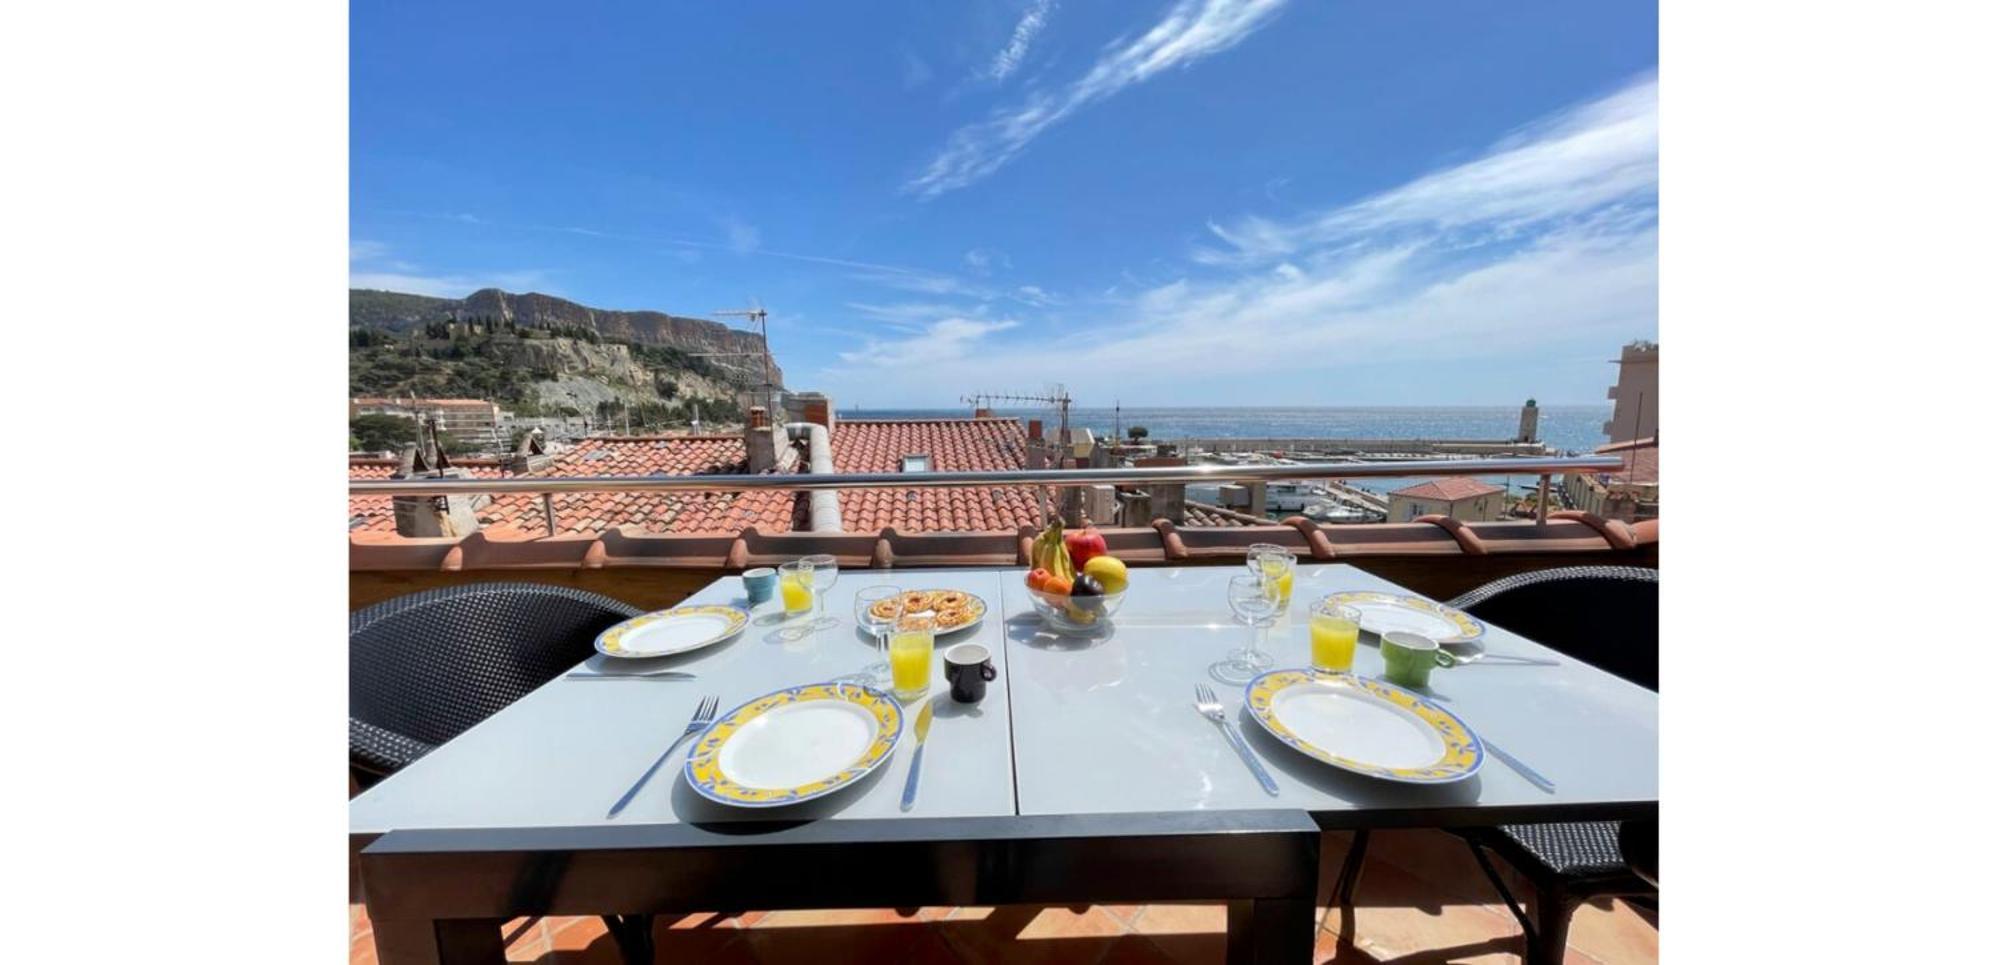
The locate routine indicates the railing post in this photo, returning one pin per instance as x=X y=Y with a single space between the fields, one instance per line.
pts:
x=1542 y=502
x=549 y=511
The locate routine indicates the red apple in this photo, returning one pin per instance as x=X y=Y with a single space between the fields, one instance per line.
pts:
x=1082 y=545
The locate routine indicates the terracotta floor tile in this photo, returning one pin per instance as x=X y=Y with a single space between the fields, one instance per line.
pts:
x=1124 y=913
x=834 y=917
x=576 y=934
x=912 y=942
x=1031 y=935
x=530 y=946
x=1331 y=949
x=1182 y=920
x=1616 y=935
x=1397 y=914
x=1056 y=923
x=700 y=938
x=1177 y=950
x=1193 y=949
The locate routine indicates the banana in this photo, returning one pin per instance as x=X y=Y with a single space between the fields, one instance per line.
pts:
x=1049 y=553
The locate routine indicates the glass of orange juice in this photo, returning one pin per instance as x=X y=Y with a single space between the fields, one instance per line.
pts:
x=795 y=587
x=910 y=658
x=1276 y=565
x=1335 y=629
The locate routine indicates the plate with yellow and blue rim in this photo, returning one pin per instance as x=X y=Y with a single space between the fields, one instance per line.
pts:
x=1386 y=612
x=794 y=745
x=1365 y=726
x=668 y=632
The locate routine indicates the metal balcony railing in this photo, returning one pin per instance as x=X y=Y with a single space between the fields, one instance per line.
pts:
x=1117 y=476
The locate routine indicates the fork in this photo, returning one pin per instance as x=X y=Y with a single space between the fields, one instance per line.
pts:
x=704 y=714
x=1211 y=708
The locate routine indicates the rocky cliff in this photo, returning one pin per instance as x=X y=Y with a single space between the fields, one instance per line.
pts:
x=742 y=353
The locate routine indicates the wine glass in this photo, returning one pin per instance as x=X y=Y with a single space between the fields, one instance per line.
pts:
x=1252 y=600
x=865 y=617
x=1277 y=566
x=825 y=570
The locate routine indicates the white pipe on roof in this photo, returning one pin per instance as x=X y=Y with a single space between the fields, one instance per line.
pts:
x=825 y=503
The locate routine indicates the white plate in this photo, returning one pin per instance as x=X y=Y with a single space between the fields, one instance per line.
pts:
x=797 y=744
x=1365 y=726
x=672 y=631
x=1388 y=612
x=794 y=745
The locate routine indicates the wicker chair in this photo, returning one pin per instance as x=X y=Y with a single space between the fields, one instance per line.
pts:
x=425 y=667
x=1607 y=616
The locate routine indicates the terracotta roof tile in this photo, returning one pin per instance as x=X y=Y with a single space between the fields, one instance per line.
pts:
x=1642 y=460
x=377 y=513
x=1202 y=514
x=521 y=516
x=1450 y=489
x=954 y=445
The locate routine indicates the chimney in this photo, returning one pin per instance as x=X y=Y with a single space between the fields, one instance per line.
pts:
x=530 y=456
x=763 y=441
x=982 y=413
x=1037 y=452
x=1100 y=503
x=432 y=515
x=818 y=409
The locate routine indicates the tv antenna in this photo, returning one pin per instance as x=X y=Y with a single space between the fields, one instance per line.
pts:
x=756 y=314
x=1056 y=396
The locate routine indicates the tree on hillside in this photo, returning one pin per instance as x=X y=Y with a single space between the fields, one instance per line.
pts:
x=376 y=433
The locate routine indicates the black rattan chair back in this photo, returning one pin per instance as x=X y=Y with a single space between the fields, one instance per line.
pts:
x=1608 y=616
x=425 y=667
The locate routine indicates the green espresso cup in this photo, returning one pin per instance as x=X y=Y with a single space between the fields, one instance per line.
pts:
x=1409 y=657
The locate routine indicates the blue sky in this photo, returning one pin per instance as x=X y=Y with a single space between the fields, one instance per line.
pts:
x=1228 y=202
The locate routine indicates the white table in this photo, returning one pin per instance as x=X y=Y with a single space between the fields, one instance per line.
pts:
x=561 y=755
x=1108 y=725
x=1085 y=775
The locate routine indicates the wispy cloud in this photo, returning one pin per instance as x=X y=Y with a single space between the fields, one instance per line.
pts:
x=1578 y=161
x=1190 y=31
x=1008 y=60
x=945 y=340
x=916 y=73
x=369 y=265
x=1546 y=241
x=742 y=236
x=984 y=261
x=453 y=285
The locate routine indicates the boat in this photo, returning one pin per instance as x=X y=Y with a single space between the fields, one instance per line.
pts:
x=1291 y=495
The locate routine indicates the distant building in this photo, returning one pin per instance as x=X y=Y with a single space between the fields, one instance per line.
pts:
x=1531 y=418
x=1458 y=497
x=1631 y=493
x=1635 y=413
x=467 y=420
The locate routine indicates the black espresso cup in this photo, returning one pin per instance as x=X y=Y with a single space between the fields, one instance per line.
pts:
x=968 y=666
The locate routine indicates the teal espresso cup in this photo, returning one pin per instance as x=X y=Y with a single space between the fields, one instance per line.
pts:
x=1408 y=658
x=759 y=584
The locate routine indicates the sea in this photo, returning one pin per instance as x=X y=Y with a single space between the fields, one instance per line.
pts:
x=1569 y=428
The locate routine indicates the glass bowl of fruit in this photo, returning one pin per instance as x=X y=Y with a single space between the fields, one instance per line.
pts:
x=1076 y=614
x=1082 y=603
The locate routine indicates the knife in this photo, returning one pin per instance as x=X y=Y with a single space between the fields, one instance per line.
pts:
x=1521 y=769
x=917 y=760
x=642 y=675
